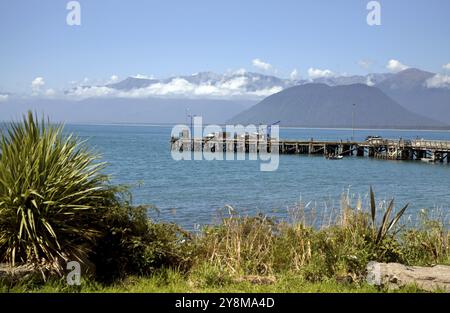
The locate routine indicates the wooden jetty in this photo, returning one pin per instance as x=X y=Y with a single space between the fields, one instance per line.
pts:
x=390 y=149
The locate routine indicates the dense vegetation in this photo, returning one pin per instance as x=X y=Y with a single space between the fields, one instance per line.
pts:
x=57 y=206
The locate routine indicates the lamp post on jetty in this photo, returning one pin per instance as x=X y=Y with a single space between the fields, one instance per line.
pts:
x=191 y=129
x=353 y=121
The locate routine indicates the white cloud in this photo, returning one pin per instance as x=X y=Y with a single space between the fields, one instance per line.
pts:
x=446 y=66
x=369 y=81
x=234 y=84
x=261 y=65
x=113 y=79
x=438 y=81
x=266 y=92
x=294 y=74
x=37 y=86
x=366 y=64
x=207 y=90
x=240 y=71
x=142 y=76
x=314 y=73
x=3 y=98
x=177 y=86
x=80 y=92
x=396 y=66
x=50 y=92
x=37 y=83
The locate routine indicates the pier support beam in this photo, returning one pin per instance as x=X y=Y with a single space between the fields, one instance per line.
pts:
x=347 y=151
x=420 y=154
x=360 y=151
x=405 y=154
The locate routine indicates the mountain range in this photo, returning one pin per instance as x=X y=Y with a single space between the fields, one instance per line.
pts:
x=415 y=90
x=249 y=83
x=247 y=80
x=413 y=98
x=410 y=88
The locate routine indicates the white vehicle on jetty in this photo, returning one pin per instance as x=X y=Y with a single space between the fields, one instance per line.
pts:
x=372 y=139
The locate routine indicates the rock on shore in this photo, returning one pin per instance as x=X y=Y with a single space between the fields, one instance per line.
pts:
x=395 y=275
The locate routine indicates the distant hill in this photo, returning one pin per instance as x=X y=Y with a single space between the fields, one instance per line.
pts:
x=320 y=105
x=409 y=88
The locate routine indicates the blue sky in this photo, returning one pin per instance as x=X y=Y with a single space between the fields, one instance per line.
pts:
x=165 y=38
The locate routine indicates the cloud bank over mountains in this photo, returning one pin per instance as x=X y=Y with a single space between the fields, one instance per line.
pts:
x=211 y=94
x=240 y=84
x=199 y=85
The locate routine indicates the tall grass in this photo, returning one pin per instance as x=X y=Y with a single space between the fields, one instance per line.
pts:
x=353 y=236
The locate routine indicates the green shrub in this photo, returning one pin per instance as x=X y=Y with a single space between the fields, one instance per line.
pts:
x=56 y=206
x=131 y=244
x=51 y=189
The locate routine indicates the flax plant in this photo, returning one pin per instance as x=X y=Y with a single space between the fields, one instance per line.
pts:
x=51 y=191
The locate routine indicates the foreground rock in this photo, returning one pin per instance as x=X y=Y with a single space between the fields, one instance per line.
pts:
x=395 y=275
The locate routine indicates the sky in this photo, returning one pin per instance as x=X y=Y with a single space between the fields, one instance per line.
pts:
x=117 y=39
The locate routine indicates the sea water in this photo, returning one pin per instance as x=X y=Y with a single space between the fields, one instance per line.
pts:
x=194 y=192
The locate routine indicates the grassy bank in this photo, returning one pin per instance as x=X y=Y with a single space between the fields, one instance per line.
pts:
x=168 y=281
x=56 y=206
x=247 y=254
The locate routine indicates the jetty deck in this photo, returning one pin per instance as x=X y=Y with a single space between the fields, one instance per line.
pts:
x=392 y=149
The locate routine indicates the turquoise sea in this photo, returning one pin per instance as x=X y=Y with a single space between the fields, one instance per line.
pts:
x=193 y=192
